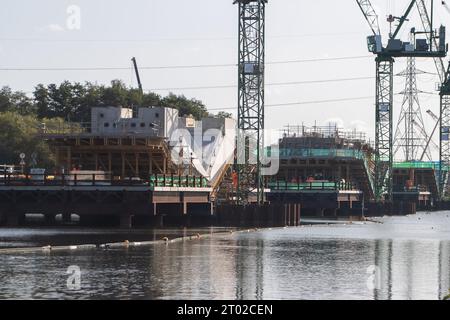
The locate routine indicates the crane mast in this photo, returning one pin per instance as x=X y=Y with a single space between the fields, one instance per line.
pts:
x=250 y=143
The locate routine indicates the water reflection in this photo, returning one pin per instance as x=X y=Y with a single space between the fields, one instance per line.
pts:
x=320 y=262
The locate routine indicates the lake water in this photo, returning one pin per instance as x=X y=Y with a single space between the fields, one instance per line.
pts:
x=399 y=258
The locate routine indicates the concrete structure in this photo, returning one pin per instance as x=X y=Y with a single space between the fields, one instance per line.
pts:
x=155 y=140
x=151 y=122
x=327 y=171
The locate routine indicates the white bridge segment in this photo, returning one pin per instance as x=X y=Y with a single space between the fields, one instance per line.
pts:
x=217 y=150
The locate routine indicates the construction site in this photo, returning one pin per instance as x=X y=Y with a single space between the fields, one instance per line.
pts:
x=147 y=165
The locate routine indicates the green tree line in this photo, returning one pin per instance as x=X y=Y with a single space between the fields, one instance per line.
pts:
x=72 y=101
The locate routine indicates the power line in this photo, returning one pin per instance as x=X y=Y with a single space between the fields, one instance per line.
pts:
x=319 y=60
x=287 y=104
x=268 y=84
x=179 y=66
x=231 y=38
x=302 y=103
x=231 y=86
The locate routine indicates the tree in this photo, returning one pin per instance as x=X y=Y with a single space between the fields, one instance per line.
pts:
x=61 y=100
x=73 y=101
x=20 y=134
x=185 y=106
x=151 y=99
x=116 y=95
x=15 y=102
x=41 y=101
x=91 y=98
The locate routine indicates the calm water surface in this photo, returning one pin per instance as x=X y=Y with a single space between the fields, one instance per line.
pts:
x=402 y=258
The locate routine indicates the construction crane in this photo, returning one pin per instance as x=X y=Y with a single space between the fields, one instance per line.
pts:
x=141 y=92
x=384 y=84
x=138 y=77
x=251 y=100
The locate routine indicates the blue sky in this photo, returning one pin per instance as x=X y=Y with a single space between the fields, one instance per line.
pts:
x=34 y=34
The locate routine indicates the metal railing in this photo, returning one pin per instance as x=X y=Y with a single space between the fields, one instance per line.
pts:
x=94 y=179
x=418 y=188
x=316 y=186
x=317 y=153
x=330 y=131
x=419 y=165
x=65 y=128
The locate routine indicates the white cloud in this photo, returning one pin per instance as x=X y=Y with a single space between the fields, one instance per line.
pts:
x=338 y=122
x=53 y=27
x=359 y=125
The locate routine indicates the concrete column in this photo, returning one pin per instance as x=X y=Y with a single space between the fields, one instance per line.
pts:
x=295 y=222
x=136 y=155
x=160 y=221
x=150 y=163
x=299 y=216
x=123 y=165
x=320 y=212
x=293 y=215
x=96 y=160
x=289 y=213
x=69 y=160
x=110 y=162
x=57 y=157
x=50 y=219
x=126 y=221
x=66 y=217
x=186 y=220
